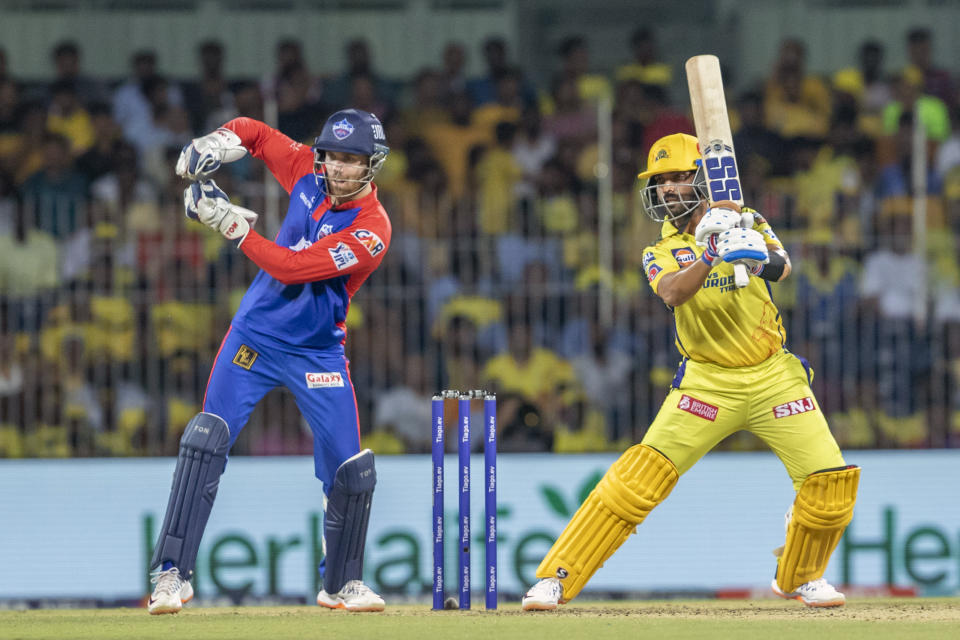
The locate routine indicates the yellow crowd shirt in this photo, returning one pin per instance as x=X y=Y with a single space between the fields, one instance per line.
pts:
x=720 y=324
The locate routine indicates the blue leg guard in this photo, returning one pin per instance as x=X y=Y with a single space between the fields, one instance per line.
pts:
x=345 y=522
x=203 y=456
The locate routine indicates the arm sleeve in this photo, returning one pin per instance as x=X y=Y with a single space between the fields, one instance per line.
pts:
x=343 y=253
x=287 y=159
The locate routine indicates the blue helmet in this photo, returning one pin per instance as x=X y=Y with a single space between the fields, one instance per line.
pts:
x=353 y=131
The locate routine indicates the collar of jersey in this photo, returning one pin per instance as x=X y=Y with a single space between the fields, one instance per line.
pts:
x=668 y=229
x=359 y=203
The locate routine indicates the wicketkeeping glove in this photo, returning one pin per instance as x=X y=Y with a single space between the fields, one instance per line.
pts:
x=717 y=219
x=204 y=155
x=745 y=246
x=215 y=210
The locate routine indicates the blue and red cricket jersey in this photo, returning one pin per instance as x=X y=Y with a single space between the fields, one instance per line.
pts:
x=290 y=328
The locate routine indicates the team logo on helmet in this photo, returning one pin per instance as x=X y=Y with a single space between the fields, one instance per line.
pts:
x=662 y=155
x=342 y=129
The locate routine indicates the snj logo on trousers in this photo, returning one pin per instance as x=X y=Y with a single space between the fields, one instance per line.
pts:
x=322 y=380
x=698 y=408
x=794 y=407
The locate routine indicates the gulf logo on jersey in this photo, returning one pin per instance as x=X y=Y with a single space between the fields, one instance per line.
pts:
x=653 y=271
x=342 y=129
x=370 y=241
x=684 y=256
x=698 y=408
x=794 y=407
x=323 y=380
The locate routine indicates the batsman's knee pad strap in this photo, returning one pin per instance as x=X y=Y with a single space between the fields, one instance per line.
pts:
x=637 y=482
x=202 y=458
x=346 y=519
x=821 y=512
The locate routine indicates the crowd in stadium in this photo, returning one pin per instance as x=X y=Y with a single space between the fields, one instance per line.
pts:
x=112 y=303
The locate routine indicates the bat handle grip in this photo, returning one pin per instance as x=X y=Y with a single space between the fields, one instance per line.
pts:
x=740 y=275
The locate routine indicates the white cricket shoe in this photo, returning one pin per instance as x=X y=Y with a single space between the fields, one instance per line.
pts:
x=816 y=593
x=544 y=596
x=354 y=596
x=171 y=592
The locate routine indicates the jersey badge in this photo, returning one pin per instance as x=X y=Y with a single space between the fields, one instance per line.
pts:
x=684 y=256
x=324 y=380
x=370 y=241
x=325 y=230
x=342 y=256
x=342 y=129
x=794 y=407
x=245 y=357
x=698 y=408
x=653 y=271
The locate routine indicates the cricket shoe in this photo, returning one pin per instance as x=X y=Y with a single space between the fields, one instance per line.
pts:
x=816 y=593
x=544 y=596
x=171 y=592
x=354 y=596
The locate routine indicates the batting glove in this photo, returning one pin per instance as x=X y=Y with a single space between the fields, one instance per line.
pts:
x=204 y=155
x=716 y=220
x=745 y=246
x=711 y=255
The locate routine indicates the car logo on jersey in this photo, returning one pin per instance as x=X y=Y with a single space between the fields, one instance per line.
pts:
x=794 y=407
x=324 y=380
x=342 y=129
x=370 y=241
x=684 y=256
x=698 y=408
x=342 y=256
x=653 y=271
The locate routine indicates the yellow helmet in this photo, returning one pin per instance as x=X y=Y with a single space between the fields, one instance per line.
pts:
x=676 y=152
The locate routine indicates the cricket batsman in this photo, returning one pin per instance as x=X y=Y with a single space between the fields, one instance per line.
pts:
x=735 y=373
x=289 y=331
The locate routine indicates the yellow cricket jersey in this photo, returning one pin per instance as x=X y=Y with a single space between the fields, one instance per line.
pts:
x=720 y=324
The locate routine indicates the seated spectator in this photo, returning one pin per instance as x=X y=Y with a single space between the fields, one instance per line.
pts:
x=497 y=175
x=132 y=109
x=930 y=111
x=450 y=143
x=453 y=77
x=21 y=150
x=298 y=115
x=646 y=66
x=575 y=64
x=507 y=106
x=55 y=196
x=99 y=158
x=484 y=88
x=795 y=103
x=571 y=118
x=208 y=100
x=936 y=81
x=66 y=60
x=69 y=118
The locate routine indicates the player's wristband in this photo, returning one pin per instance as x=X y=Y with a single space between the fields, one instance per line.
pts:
x=773 y=269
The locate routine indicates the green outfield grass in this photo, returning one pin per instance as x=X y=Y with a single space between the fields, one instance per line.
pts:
x=870 y=619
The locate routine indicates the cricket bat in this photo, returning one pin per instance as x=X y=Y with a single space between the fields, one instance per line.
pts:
x=715 y=140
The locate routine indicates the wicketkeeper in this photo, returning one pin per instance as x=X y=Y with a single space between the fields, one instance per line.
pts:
x=288 y=332
x=735 y=373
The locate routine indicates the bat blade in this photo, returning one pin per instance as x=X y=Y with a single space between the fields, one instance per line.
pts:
x=709 y=106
